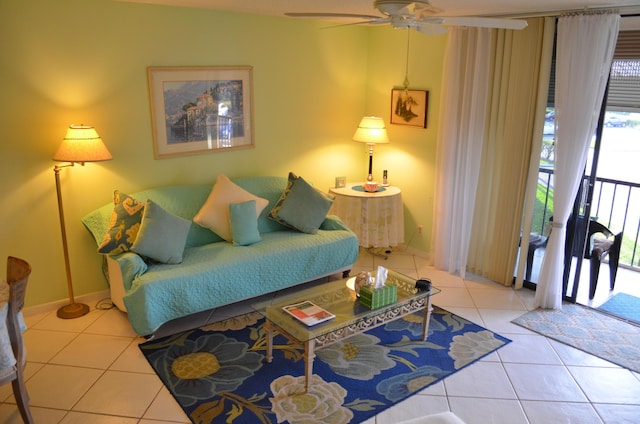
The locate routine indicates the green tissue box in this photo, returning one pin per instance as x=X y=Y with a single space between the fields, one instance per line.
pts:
x=377 y=298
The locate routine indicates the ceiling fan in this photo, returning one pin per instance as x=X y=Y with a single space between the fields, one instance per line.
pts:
x=419 y=15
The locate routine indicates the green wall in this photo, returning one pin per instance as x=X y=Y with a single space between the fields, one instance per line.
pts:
x=84 y=61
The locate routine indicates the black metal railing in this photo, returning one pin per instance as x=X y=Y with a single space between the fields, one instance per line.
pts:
x=615 y=204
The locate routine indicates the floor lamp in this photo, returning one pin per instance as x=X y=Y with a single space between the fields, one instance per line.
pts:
x=371 y=130
x=81 y=144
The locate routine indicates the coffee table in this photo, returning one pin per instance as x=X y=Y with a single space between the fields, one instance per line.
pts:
x=351 y=317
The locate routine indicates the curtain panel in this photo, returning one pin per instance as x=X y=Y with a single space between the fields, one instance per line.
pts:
x=460 y=137
x=515 y=77
x=584 y=52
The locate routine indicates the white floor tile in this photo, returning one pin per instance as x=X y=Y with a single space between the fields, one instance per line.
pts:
x=530 y=349
x=482 y=411
x=481 y=380
x=618 y=414
x=85 y=418
x=499 y=320
x=128 y=394
x=75 y=325
x=544 y=382
x=560 y=412
x=92 y=351
x=42 y=345
x=496 y=299
x=608 y=385
x=414 y=407
x=59 y=386
x=132 y=360
x=165 y=407
x=113 y=322
x=453 y=296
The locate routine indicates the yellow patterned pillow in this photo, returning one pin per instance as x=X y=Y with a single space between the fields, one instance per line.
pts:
x=124 y=225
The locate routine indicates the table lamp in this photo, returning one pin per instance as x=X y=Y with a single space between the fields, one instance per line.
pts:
x=81 y=144
x=371 y=130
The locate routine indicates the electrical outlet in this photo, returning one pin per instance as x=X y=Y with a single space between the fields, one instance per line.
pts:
x=419 y=229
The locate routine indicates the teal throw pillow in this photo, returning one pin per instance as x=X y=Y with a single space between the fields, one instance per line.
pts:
x=273 y=213
x=244 y=223
x=305 y=207
x=123 y=226
x=162 y=236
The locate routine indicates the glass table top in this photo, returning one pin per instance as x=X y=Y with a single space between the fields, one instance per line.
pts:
x=337 y=298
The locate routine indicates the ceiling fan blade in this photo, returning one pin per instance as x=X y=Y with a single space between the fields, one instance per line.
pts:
x=430 y=29
x=376 y=21
x=332 y=15
x=483 y=22
x=422 y=10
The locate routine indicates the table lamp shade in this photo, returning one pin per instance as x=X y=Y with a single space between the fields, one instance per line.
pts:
x=82 y=144
x=371 y=130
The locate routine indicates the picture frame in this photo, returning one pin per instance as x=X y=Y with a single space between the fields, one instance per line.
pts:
x=409 y=107
x=200 y=109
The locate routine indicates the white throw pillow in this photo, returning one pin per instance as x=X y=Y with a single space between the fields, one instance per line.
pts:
x=214 y=214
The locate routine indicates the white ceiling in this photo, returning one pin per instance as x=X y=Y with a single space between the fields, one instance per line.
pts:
x=513 y=8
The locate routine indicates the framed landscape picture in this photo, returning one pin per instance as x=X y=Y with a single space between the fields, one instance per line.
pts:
x=200 y=109
x=409 y=107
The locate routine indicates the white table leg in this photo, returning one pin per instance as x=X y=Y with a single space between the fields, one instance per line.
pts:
x=426 y=318
x=309 y=355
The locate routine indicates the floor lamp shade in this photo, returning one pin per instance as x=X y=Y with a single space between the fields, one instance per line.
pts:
x=371 y=130
x=81 y=144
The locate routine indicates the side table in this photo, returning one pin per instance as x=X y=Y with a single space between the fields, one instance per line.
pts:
x=376 y=218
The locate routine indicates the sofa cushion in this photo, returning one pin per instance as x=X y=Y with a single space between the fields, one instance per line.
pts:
x=124 y=224
x=302 y=207
x=214 y=214
x=162 y=236
x=244 y=223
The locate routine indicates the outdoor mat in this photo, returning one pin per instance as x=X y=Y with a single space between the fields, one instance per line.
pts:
x=218 y=373
x=588 y=330
x=624 y=306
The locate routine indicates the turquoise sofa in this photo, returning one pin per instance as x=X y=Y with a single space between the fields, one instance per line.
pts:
x=214 y=272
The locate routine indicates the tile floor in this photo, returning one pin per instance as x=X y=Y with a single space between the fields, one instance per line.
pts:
x=90 y=370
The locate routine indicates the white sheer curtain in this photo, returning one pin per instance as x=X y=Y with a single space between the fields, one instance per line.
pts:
x=461 y=129
x=584 y=51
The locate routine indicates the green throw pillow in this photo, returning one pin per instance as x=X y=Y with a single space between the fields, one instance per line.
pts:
x=244 y=223
x=273 y=213
x=305 y=207
x=124 y=224
x=162 y=235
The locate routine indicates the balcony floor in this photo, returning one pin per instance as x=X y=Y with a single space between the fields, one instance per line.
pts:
x=627 y=281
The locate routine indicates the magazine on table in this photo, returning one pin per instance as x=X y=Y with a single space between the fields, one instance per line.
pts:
x=308 y=312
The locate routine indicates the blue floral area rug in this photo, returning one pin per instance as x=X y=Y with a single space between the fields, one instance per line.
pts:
x=589 y=330
x=218 y=373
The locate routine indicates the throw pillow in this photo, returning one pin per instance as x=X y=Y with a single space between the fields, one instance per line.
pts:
x=305 y=207
x=273 y=213
x=162 y=235
x=124 y=224
x=244 y=223
x=214 y=214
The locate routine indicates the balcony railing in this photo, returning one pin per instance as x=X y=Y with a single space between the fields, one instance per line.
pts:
x=615 y=204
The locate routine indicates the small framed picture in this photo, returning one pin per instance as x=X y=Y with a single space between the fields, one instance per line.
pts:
x=409 y=107
x=341 y=182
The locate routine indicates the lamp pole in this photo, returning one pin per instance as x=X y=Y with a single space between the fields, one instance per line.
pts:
x=73 y=309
